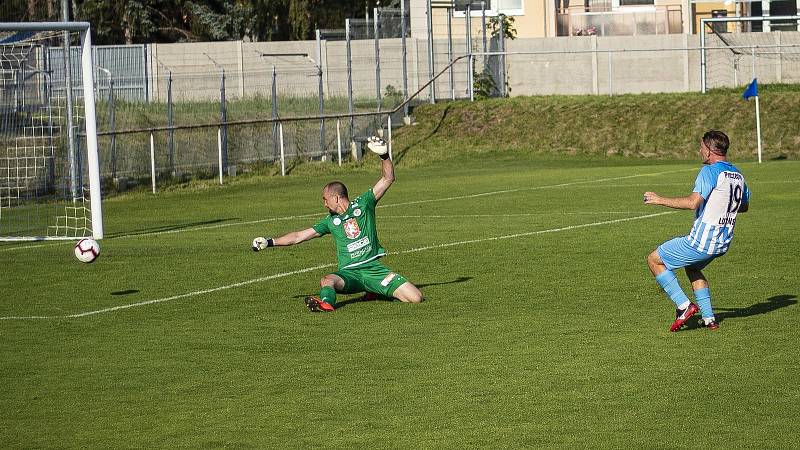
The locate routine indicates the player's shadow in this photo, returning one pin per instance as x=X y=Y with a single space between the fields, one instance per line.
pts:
x=771 y=304
x=165 y=228
x=370 y=297
x=126 y=292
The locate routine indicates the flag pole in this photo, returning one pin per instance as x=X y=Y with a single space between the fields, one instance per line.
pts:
x=758 y=129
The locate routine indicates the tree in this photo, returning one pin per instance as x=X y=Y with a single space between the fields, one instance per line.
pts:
x=30 y=11
x=143 y=21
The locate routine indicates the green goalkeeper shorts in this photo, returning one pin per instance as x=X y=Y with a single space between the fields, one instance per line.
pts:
x=373 y=277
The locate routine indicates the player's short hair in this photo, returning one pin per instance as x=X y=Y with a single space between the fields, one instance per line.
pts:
x=337 y=188
x=717 y=142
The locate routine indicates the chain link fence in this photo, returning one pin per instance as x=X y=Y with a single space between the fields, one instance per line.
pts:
x=369 y=66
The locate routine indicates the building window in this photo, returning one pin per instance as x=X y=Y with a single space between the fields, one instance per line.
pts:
x=634 y=2
x=493 y=7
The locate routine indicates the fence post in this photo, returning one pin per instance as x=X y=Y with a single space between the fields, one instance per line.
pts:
x=349 y=79
x=283 y=157
x=779 y=65
x=274 y=98
x=224 y=116
x=468 y=22
x=153 y=162
x=483 y=29
x=702 y=56
x=431 y=63
x=321 y=95
x=112 y=127
x=339 y=140
x=219 y=152
x=170 y=122
x=610 y=76
x=376 y=26
x=471 y=87
x=450 y=53
x=502 y=44
x=389 y=140
x=404 y=51
x=595 y=74
x=73 y=156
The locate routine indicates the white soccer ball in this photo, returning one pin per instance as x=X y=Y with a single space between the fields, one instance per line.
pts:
x=87 y=250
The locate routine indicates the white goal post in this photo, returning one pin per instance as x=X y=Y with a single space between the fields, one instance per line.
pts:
x=44 y=119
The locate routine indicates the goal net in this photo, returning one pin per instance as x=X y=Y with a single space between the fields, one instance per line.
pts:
x=738 y=49
x=49 y=174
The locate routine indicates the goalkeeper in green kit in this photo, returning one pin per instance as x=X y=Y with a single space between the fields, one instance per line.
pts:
x=352 y=225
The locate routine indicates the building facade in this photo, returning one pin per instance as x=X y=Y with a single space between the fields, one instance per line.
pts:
x=553 y=18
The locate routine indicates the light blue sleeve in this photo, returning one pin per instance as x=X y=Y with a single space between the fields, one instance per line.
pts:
x=705 y=182
x=746 y=197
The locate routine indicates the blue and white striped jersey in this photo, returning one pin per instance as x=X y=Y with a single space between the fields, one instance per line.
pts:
x=724 y=191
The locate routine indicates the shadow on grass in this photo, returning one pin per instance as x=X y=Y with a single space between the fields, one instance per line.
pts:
x=165 y=228
x=371 y=297
x=401 y=154
x=771 y=304
x=125 y=292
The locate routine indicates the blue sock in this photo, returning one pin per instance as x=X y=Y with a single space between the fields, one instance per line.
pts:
x=669 y=282
x=703 y=298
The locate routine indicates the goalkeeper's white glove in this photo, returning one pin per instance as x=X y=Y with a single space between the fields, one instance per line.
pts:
x=260 y=243
x=378 y=146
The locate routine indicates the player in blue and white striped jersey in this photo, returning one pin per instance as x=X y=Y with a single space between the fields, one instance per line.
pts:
x=719 y=194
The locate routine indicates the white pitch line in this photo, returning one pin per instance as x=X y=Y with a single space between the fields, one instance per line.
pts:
x=309 y=269
x=174 y=297
x=532 y=233
x=533 y=188
x=476 y=216
x=304 y=216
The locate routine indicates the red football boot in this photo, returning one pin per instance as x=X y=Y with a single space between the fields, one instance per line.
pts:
x=682 y=315
x=314 y=304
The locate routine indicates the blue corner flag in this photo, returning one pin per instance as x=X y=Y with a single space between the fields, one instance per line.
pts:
x=752 y=89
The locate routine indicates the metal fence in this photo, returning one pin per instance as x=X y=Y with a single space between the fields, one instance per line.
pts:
x=367 y=67
x=123 y=65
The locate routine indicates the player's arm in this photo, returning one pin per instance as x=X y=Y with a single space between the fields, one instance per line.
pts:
x=691 y=201
x=295 y=237
x=381 y=148
x=386 y=180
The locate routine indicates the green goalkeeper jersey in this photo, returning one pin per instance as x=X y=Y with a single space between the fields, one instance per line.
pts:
x=354 y=233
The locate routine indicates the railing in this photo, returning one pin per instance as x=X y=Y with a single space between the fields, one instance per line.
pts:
x=628 y=22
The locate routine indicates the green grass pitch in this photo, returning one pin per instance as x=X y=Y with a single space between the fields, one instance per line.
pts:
x=542 y=325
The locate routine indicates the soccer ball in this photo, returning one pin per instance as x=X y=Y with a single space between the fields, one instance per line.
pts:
x=87 y=250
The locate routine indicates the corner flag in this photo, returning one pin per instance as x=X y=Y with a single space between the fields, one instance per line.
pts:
x=752 y=91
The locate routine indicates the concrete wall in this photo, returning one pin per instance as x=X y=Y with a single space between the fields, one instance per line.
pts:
x=564 y=65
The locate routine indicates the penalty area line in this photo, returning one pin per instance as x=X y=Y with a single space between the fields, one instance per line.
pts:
x=390 y=205
x=174 y=297
x=323 y=266
x=533 y=233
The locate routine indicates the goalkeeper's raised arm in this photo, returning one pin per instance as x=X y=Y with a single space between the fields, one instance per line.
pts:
x=381 y=148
